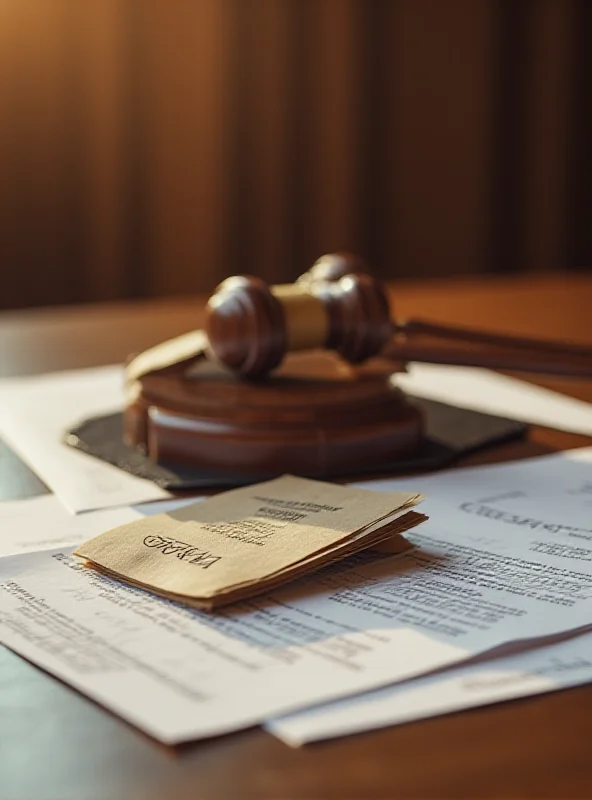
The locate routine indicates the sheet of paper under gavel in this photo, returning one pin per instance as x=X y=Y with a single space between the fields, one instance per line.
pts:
x=338 y=306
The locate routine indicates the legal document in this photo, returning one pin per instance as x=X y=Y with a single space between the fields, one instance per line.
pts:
x=555 y=479
x=503 y=560
x=482 y=390
x=552 y=494
x=523 y=674
x=43 y=523
x=181 y=674
x=36 y=412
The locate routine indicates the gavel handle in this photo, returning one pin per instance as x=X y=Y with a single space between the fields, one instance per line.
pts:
x=418 y=326
x=417 y=340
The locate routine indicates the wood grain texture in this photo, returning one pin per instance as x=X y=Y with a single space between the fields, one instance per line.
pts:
x=548 y=157
x=150 y=150
x=56 y=744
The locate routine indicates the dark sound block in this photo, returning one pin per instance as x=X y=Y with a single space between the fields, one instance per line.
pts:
x=312 y=416
x=450 y=432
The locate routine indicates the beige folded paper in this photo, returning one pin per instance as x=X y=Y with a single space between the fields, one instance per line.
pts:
x=248 y=540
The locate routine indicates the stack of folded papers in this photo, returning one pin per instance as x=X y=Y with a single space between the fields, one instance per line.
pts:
x=247 y=541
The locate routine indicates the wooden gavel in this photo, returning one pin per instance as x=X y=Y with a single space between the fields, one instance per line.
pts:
x=180 y=409
x=338 y=306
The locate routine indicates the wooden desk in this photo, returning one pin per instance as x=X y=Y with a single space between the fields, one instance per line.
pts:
x=56 y=744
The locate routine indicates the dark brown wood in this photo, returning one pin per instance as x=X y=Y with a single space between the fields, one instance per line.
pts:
x=248 y=325
x=249 y=332
x=521 y=359
x=457 y=333
x=54 y=743
x=310 y=417
x=245 y=326
x=286 y=145
x=333 y=266
x=358 y=311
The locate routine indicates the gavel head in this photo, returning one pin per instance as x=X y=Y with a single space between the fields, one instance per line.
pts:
x=251 y=326
x=332 y=266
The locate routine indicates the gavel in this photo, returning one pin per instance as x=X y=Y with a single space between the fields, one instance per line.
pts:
x=181 y=409
x=338 y=305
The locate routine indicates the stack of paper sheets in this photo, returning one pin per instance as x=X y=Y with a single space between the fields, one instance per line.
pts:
x=494 y=601
x=504 y=561
x=247 y=541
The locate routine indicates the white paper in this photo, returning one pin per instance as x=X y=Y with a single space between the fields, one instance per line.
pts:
x=544 y=669
x=475 y=582
x=491 y=393
x=552 y=496
x=182 y=674
x=557 y=476
x=36 y=412
x=43 y=523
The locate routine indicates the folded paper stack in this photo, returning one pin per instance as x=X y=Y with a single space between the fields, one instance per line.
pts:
x=249 y=540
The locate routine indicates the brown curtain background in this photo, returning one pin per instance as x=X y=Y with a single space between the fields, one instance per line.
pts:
x=150 y=147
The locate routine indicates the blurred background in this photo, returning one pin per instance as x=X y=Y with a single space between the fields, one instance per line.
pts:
x=153 y=147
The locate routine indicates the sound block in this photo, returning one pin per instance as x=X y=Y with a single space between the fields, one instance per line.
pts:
x=316 y=417
x=310 y=417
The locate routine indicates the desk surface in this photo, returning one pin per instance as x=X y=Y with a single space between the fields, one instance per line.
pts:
x=54 y=743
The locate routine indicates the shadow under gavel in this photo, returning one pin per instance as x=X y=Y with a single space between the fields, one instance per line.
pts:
x=338 y=306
